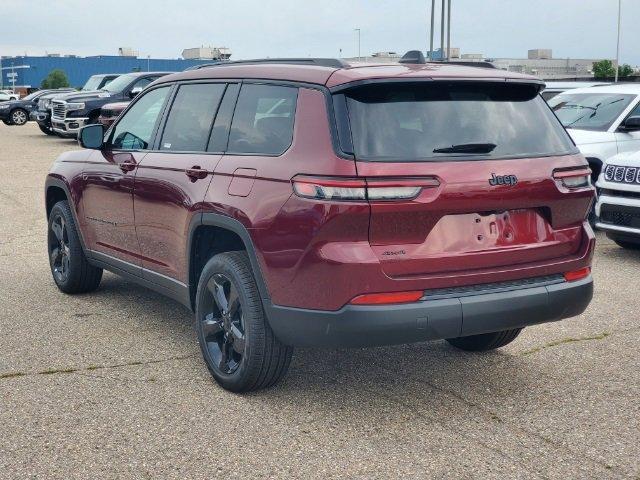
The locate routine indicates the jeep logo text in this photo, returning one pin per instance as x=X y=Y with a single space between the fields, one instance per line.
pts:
x=502 y=179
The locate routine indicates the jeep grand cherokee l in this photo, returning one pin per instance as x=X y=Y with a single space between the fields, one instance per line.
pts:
x=71 y=112
x=315 y=203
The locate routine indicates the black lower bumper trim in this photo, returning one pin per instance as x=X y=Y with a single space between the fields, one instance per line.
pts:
x=359 y=326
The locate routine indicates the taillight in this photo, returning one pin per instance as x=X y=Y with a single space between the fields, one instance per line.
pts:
x=574 y=178
x=374 y=189
x=330 y=188
x=387 y=298
x=577 y=274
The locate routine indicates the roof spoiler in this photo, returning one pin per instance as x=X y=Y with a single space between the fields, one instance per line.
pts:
x=413 y=56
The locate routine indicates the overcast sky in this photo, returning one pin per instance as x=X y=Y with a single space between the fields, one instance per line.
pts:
x=260 y=28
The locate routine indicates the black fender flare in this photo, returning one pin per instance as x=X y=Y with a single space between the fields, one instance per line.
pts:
x=233 y=225
x=59 y=183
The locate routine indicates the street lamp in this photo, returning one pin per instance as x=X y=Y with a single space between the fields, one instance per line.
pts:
x=618 y=43
x=358 y=30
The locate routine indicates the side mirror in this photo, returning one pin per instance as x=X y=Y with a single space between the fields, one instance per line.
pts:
x=631 y=124
x=92 y=136
x=134 y=92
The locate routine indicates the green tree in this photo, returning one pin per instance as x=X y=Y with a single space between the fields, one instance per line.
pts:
x=603 y=69
x=625 y=71
x=56 y=79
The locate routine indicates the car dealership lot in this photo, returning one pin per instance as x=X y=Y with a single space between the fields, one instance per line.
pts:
x=112 y=384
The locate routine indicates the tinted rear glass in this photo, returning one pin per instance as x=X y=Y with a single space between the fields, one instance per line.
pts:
x=589 y=111
x=407 y=122
x=263 y=120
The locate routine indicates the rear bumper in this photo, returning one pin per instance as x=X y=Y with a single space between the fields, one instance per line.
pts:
x=453 y=313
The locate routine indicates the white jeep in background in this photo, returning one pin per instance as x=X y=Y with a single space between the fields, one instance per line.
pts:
x=618 y=207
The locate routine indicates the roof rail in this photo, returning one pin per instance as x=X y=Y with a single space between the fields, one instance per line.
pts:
x=320 y=62
x=482 y=64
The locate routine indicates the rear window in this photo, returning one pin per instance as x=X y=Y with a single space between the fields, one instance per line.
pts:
x=589 y=111
x=423 y=122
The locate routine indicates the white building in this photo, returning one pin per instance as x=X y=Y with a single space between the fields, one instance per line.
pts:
x=206 y=53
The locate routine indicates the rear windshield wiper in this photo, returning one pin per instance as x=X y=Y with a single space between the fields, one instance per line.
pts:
x=467 y=148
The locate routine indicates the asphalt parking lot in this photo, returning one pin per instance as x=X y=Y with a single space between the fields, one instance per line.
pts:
x=111 y=384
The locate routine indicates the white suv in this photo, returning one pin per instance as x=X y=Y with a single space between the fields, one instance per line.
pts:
x=595 y=119
x=618 y=207
x=9 y=93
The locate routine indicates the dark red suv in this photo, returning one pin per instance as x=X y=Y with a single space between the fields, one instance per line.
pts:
x=315 y=203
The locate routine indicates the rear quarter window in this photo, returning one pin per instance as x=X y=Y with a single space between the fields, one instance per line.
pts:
x=263 y=120
x=410 y=122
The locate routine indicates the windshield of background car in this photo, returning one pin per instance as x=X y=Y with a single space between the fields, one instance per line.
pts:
x=33 y=95
x=589 y=111
x=92 y=84
x=415 y=122
x=118 y=84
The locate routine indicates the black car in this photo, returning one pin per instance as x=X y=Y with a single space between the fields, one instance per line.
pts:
x=71 y=112
x=16 y=112
x=42 y=114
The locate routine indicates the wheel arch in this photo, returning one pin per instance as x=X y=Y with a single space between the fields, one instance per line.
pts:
x=211 y=234
x=57 y=190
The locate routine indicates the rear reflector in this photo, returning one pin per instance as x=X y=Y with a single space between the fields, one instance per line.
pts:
x=387 y=298
x=374 y=189
x=577 y=274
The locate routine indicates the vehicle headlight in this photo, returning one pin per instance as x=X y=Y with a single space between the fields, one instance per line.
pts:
x=75 y=106
x=3 y=107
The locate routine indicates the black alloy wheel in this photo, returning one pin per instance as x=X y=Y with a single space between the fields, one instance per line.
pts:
x=71 y=271
x=222 y=325
x=59 y=251
x=238 y=346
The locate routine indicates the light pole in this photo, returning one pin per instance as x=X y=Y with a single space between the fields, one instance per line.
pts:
x=433 y=17
x=618 y=42
x=442 y=30
x=448 y=30
x=359 y=57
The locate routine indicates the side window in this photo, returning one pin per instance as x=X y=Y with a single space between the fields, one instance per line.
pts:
x=142 y=83
x=636 y=111
x=191 y=117
x=263 y=120
x=135 y=128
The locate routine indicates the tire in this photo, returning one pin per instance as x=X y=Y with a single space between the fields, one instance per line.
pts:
x=628 y=245
x=46 y=130
x=237 y=343
x=19 y=117
x=485 y=341
x=71 y=271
